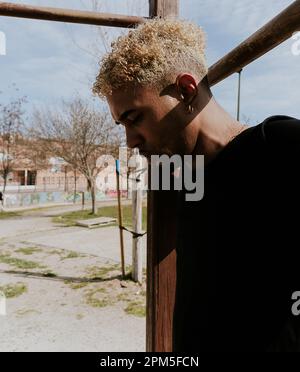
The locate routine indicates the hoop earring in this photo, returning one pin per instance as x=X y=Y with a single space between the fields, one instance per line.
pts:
x=190 y=109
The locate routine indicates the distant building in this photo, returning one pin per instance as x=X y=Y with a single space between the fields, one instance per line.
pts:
x=57 y=176
x=52 y=180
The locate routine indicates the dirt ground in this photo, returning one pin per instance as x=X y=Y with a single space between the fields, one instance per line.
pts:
x=62 y=299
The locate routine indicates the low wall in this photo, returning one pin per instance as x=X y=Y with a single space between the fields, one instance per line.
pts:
x=15 y=200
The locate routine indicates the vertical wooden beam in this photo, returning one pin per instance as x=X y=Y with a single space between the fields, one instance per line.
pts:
x=164 y=8
x=161 y=244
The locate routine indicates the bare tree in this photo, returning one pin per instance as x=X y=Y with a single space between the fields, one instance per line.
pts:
x=11 y=130
x=79 y=134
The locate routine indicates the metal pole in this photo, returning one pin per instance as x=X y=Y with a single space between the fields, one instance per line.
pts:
x=239 y=96
x=137 y=208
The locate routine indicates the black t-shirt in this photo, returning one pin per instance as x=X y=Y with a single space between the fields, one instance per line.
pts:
x=238 y=255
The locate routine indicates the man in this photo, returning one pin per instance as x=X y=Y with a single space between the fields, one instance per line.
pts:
x=237 y=254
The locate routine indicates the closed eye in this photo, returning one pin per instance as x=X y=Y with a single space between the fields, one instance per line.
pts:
x=126 y=120
x=137 y=120
x=131 y=122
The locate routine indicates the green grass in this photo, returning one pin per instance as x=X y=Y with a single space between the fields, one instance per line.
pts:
x=98 y=298
x=124 y=297
x=19 y=263
x=97 y=272
x=56 y=251
x=27 y=251
x=78 y=285
x=4 y=215
x=71 y=254
x=70 y=218
x=75 y=285
x=136 y=308
x=13 y=290
x=8 y=214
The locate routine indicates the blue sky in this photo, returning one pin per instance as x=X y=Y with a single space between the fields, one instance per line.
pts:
x=49 y=61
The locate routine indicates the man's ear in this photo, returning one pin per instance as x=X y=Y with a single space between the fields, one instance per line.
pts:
x=186 y=86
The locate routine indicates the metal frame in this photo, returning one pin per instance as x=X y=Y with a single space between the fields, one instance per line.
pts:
x=162 y=211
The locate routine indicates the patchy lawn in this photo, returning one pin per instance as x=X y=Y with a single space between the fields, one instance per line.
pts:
x=98 y=283
x=27 y=251
x=19 y=263
x=64 y=287
x=70 y=218
x=13 y=290
x=5 y=215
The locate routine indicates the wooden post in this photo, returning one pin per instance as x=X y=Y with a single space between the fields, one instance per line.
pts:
x=137 y=201
x=164 y=8
x=161 y=244
x=120 y=218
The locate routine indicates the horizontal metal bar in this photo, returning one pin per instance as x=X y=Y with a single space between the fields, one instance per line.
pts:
x=262 y=41
x=265 y=39
x=68 y=15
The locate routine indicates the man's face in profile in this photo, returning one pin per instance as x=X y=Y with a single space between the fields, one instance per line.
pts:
x=154 y=122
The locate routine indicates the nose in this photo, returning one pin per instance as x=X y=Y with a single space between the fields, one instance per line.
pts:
x=133 y=138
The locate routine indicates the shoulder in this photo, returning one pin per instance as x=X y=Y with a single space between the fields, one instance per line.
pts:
x=281 y=130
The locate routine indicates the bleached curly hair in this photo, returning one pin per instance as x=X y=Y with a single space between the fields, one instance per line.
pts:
x=151 y=55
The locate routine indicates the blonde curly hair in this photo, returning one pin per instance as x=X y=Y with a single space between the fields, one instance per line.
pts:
x=151 y=55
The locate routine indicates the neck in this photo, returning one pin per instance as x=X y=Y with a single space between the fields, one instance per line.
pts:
x=216 y=128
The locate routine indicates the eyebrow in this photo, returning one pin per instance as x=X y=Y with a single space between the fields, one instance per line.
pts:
x=125 y=115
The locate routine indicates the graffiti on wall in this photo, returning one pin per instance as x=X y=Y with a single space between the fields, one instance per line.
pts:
x=40 y=198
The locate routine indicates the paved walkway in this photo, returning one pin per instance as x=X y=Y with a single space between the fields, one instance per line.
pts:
x=51 y=316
